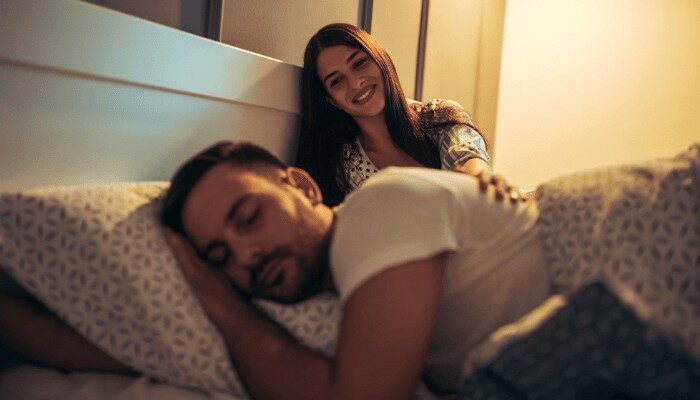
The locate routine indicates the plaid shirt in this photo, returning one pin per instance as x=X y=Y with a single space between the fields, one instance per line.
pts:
x=458 y=143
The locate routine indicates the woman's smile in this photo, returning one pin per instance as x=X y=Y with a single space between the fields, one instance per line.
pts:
x=364 y=95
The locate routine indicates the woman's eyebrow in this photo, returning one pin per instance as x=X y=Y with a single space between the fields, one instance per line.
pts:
x=329 y=76
x=354 y=53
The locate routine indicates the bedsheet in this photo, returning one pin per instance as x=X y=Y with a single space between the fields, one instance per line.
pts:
x=33 y=383
x=29 y=382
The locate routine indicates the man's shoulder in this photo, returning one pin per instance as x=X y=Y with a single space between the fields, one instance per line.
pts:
x=404 y=187
x=405 y=178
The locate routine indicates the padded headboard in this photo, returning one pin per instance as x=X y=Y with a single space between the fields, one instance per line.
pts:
x=90 y=95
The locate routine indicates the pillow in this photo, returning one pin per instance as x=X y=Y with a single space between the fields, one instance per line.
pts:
x=95 y=256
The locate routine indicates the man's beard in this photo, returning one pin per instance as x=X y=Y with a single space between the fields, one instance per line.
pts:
x=313 y=270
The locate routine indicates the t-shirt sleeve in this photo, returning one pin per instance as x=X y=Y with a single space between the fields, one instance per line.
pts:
x=394 y=219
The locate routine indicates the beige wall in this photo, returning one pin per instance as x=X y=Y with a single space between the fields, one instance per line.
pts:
x=281 y=28
x=396 y=26
x=78 y=109
x=463 y=56
x=593 y=83
x=452 y=51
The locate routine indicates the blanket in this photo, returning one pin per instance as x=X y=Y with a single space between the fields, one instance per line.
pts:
x=587 y=346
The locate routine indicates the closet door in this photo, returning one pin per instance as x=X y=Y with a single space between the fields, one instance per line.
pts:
x=448 y=49
x=396 y=25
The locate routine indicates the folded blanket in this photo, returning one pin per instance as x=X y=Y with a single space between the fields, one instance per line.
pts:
x=636 y=228
x=590 y=346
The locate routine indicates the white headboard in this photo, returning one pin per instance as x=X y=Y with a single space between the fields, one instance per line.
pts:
x=90 y=95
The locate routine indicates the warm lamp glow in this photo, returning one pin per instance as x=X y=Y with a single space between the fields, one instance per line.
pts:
x=585 y=84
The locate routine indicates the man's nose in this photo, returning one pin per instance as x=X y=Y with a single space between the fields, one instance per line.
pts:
x=246 y=251
x=249 y=256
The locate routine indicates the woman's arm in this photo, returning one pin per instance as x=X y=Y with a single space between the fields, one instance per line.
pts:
x=462 y=147
x=473 y=166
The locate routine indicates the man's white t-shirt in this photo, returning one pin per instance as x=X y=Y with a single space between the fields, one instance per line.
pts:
x=495 y=269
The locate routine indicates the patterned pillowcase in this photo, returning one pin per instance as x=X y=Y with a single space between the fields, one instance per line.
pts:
x=95 y=255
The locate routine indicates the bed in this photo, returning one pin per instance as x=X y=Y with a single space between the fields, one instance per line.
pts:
x=96 y=115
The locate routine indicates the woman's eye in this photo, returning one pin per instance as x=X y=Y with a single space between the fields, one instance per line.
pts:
x=335 y=82
x=360 y=63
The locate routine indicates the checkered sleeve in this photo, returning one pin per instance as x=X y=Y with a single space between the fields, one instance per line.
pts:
x=459 y=143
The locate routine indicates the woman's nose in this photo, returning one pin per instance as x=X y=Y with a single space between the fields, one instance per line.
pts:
x=357 y=82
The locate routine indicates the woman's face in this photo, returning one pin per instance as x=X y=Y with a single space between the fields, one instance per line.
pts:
x=352 y=79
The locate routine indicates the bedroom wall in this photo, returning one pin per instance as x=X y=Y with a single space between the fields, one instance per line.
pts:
x=280 y=28
x=397 y=29
x=84 y=99
x=587 y=84
x=462 y=60
x=463 y=42
x=186 y=15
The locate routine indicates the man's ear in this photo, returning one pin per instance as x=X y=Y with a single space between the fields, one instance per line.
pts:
x=301 y=180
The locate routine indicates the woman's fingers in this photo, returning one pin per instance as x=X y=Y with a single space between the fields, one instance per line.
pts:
x=501 y=187
x=484 y=179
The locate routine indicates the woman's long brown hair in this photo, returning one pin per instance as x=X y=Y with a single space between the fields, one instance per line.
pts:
x=325 y=129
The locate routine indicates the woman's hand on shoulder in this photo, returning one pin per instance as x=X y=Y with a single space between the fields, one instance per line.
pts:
x=482 y=171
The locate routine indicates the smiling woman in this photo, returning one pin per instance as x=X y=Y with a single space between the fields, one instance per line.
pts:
x=357 y=120
x=352 y=78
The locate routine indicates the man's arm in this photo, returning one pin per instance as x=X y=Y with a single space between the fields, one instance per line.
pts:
x=385 y=335
x=39 y=336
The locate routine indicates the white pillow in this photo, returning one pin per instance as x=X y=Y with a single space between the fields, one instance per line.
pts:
x=95 y=255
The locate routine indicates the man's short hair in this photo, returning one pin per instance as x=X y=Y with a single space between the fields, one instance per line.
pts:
x=236 y=153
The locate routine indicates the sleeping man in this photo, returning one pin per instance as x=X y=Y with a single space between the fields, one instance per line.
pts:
x=420 y=269
x=426 y=265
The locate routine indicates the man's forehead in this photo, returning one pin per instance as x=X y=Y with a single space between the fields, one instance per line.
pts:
x=229 y=173
x=223 y=184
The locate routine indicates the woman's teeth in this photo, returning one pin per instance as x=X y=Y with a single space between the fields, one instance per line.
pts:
x=365 y=95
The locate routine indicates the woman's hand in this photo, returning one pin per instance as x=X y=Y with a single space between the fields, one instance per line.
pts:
x=501 y=186
x=213 y=289
x=481 y=169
